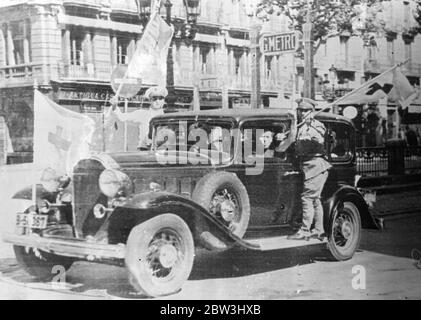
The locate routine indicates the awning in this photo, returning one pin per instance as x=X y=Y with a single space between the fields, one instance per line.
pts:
x=98 y=24
x=238 y=42
x=200 y=37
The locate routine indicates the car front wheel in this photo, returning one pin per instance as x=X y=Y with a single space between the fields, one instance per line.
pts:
x=345 y=231
x=225 y=197
x=159 y=255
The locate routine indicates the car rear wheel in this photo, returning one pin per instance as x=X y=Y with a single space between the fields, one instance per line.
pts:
x=226 y=198
x=345 y=231
x=159 y=255
x=40 y=264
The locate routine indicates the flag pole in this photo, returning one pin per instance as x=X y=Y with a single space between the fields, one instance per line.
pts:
x=34 y=184
x=126 y=108
x=348 y=94
x=155 y=12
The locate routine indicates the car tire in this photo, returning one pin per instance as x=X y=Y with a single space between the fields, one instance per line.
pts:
x=213 y=186
x=345 y=231
x=40 y=264
x=159 y=255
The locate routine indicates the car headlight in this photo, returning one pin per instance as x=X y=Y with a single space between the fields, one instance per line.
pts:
x=111 y=182
x=50 y=180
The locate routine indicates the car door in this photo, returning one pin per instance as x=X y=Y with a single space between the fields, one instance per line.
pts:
x=273 y=191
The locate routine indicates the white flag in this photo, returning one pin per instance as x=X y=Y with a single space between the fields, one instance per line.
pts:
x=61 y=136
x=391 y=84
x=150 y=59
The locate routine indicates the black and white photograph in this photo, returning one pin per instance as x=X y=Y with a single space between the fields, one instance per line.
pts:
x=210 y=150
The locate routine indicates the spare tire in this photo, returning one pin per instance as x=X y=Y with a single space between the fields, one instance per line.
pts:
x=225 y=197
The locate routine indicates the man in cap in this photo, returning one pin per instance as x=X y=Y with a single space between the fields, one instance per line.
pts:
x=310 y=150
x=156 y=95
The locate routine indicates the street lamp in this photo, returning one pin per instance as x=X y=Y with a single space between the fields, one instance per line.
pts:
x=308 y=53
x=183 y=30
x=333 y=71
x=329 y=92
x=255 y=28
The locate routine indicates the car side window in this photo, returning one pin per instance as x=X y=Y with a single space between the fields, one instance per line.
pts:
x=259 y=139
x=339 y=142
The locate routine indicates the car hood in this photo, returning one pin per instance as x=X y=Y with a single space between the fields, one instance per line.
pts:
x=127 y=160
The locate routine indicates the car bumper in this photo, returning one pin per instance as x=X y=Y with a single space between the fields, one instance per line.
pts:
x=69 y=247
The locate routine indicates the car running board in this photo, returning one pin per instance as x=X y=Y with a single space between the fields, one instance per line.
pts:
x=281 y=242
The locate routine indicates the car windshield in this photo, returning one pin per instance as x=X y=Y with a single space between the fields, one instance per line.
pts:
x=207 y=138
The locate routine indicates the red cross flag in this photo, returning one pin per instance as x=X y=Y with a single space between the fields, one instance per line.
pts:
x=391 y=84
x=61 y=137
x=149 y=60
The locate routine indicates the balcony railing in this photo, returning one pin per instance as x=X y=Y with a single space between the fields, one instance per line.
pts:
x=234 y=82
x=351 y=64
x=410 y=68
x=84 y=72
x=23 y=74
x=26 y=74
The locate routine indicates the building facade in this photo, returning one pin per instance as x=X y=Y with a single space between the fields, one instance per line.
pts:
x=68 y=49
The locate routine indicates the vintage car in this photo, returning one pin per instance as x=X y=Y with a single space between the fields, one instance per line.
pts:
x=150 y=210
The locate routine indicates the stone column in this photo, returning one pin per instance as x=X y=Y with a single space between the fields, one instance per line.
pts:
x=88 y=54
x=113 y=51
x=223 y=68
x=10 y=48
x=3 y=59
x=390 y=38
x=66 y=47
x=26 y=44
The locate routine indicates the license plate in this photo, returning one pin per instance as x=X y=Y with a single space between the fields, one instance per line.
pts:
x=33 y=221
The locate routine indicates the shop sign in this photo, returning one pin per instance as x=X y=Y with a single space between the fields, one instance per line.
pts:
x=241 y=103
x=92 y=96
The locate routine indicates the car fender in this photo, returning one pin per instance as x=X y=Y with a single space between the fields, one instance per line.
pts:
x=41 y=194
x=349 y=193
x=207 y=231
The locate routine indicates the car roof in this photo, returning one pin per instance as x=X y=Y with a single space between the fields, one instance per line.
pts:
x=239 y=115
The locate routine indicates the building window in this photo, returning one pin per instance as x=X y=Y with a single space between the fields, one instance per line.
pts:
x=237 y=62
x=18 y=39
x=20 y=122
x=268 y=66
x=122 y=50
x=76 y=49
x=205 y=63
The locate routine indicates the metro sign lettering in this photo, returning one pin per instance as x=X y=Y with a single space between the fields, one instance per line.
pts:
x=280 y=43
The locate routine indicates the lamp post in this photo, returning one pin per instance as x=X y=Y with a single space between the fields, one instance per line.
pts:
x=183 y=30
x=308 y=55
x=255 y=28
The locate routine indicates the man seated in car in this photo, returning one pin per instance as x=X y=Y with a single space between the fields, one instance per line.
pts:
x=266 y=139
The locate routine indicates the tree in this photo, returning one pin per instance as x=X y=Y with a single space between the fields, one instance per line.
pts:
x=415 y=29
x=329 y=17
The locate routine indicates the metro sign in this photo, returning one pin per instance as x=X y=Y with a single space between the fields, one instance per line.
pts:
x=280 y=43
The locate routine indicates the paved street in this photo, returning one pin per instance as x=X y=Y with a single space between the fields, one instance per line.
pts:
x=304 y=273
